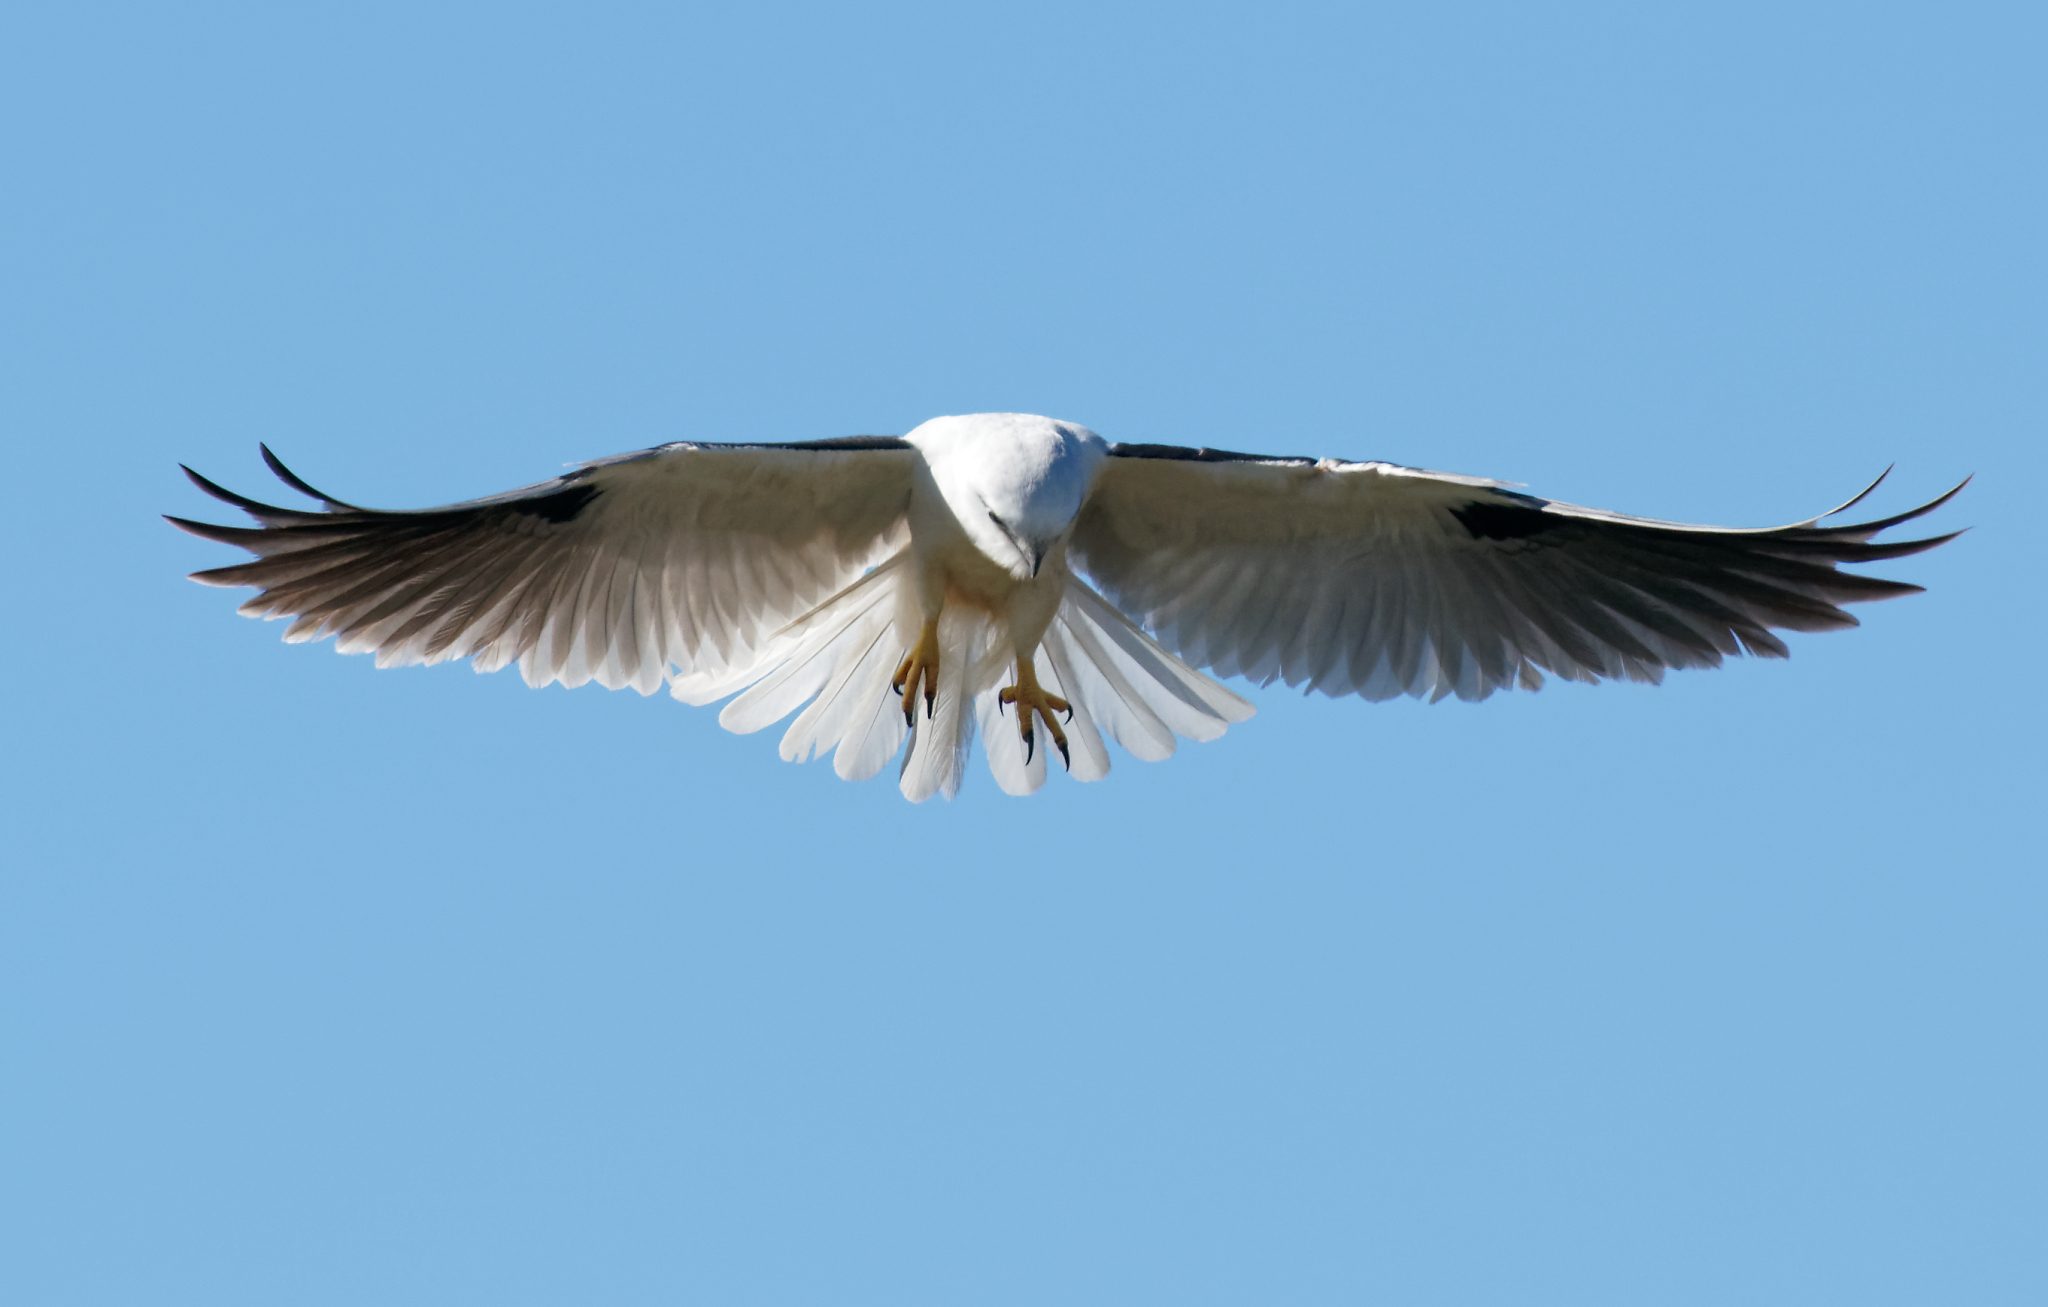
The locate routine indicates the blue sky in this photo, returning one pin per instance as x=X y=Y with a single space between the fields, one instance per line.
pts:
x=325 y=985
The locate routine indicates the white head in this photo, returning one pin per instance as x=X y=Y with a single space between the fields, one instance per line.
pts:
x=1015 y=481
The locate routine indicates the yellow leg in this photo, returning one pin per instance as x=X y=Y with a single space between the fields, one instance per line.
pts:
x=919 y=668
x=1033 y=702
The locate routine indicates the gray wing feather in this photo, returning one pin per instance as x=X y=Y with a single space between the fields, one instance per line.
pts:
x=1380 y=580
x=686 y=556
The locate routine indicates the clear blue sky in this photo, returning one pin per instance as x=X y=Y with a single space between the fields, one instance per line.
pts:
x=325 y=985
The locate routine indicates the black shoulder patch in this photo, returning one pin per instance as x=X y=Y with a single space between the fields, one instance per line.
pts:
x=1486 y=520
x=844 y=444
x=1184 y=454
x=557 y=506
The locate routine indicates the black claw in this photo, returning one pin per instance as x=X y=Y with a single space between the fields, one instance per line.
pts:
x=1066 y=759
x=1000 y=705
x=1030 y=744
x=930 y=697
x=1070 y=714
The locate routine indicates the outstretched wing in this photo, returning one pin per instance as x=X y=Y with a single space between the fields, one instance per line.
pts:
x=1380 y=580
x=689 y=555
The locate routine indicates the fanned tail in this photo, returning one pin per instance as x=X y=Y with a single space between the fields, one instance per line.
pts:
x=1122 y=684
x=836 y=659
x=836 y=662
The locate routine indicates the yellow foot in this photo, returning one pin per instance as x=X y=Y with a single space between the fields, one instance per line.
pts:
x=919 y=668
x=1032 y=703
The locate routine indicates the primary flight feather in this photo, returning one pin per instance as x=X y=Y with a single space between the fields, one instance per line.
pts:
x=1006 y=566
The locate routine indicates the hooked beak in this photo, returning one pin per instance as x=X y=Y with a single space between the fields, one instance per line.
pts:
x=1031 y=551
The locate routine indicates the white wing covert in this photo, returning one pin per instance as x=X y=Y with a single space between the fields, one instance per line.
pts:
x=1381 y=580
x=687 y=555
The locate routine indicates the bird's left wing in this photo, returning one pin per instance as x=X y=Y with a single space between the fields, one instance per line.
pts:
x=1380 y=580
x=688 y=556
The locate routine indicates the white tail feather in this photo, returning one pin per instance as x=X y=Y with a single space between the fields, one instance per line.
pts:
x=1131 y=688
x=971 y=665
x=835 y=663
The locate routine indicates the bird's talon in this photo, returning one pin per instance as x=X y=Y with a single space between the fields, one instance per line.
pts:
x=1035 y=705
x=918 y=673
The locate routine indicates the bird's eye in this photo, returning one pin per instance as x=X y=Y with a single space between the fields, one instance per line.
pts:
x=1016 y=541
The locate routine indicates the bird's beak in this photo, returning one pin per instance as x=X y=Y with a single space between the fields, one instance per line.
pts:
x=1031 y=550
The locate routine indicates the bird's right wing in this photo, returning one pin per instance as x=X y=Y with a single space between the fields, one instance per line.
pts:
x=1379 y=580
x=688 y=556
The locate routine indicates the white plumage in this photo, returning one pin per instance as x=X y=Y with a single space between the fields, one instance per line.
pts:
x=939 y=584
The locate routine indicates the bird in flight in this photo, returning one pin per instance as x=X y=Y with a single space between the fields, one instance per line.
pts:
x=1023 y=578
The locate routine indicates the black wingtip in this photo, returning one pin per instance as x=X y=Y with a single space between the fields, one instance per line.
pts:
x=1860 y=495
x=235 y=575
x=1897 y=519
x=223 y=535
x=255 y=508
x=1906 y=547
x=299 y=483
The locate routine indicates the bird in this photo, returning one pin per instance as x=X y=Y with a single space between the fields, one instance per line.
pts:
x=1015 y=577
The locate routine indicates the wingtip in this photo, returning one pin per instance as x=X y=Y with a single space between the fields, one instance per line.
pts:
x=1942 y=539
x=283 y=473
x=208 y=484
x=1923 y=510
x=243 y=537
x=217 y=577
x=1859 y=496
x=1864 y=531
x=299 y=483
x=204 y=530
x=262 y=512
